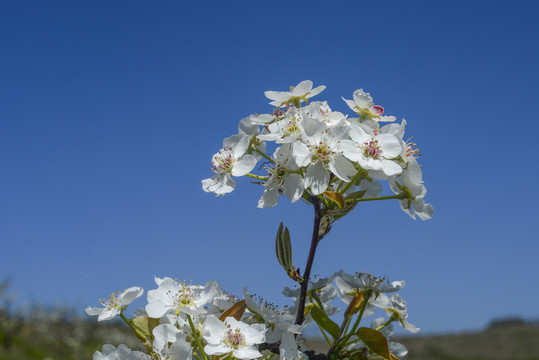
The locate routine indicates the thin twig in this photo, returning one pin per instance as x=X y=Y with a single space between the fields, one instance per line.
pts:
x=314 y=243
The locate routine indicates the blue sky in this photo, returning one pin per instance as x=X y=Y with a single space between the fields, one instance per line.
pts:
x=110 y=113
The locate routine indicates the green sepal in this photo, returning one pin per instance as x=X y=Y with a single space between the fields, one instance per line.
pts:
x=325 y=322
x=351 y=202
x=376 y=342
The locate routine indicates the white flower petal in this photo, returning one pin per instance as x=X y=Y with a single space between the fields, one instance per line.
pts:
x=317 y=90
x=129 y=295
x=181 y=350
x=302 y=88
x=108 y=314
x=390 y=145
x=362 y=99
x=342 y=168
x=293 y=187
x=317 y=178
x=310 y=126
x=244 y=165
x=157 y=309
x=426 y=213
x=278 y=96
x=93 y=311
x=301 y=153
x=269 y=198
x=247 y=127
x=219 y=184
x=217 y=349
x=247 y=352
x=389 y=167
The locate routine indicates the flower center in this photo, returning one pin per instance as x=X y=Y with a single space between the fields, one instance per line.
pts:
x=223 y=160
x=276 y=174
x=111 y=302
x=234 y=337
x=292 y=126
x=278 y=112
x=183 y=297
x=410 y=151
x=322 y=151
x=372 y=149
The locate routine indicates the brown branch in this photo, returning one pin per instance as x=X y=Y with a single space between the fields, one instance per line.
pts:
x=300 y=317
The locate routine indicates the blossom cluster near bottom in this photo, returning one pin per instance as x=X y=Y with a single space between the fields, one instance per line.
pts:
x=183 y=321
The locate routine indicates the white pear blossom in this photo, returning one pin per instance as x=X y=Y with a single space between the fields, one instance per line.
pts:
x=114 y=305
x=176 y=297
x=364 y=106
x=397 y=309
x=299 y=93
x=321 y=112
x=231 y=160
x=387 y=328
x=109 y=352
x=373 y=152
x=280 y=321
x=283 y=178
x=232 y=337
x=348 y=285
x=325 y=292
x=170 y=344
x=221 y=302
x=321 y=153
x=325 y=146
x=411 y=186
x=246 y=127
x=291 y=127
x=288 y=350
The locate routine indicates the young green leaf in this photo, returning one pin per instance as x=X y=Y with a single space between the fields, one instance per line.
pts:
x=283 y=249
x=324 y=321
x=376 y=342
x=336 y=197
x=145 y=325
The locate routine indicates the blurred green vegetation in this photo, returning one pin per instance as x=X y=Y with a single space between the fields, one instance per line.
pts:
x=59 y=333
x=505 y=339
x=42 y=332
x=509 y=339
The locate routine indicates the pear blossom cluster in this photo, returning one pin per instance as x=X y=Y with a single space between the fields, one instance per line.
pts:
x=186 y=321
x=316 y=150
x=305 y=151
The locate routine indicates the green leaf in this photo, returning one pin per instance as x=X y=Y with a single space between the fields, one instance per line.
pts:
x=145 y=325
x=287 y=248
x=324 y=321
x=376 y=342
x=336 y=197
x=283 y=250
x=279 y=248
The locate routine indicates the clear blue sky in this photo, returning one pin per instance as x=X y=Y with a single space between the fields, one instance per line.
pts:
x=110 y=113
